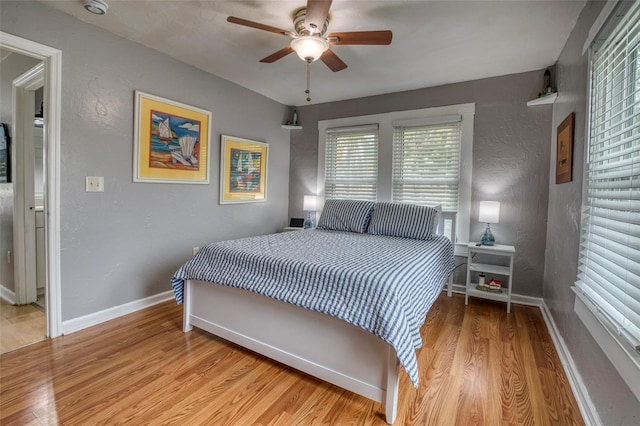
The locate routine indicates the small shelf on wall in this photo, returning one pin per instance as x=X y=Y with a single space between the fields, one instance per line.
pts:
x=544 y=100
x=291 y=127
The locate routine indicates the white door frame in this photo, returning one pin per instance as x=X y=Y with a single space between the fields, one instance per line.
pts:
x=24 y=214
x=52 y=60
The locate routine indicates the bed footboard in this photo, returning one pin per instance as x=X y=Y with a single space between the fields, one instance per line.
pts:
x=317 y=344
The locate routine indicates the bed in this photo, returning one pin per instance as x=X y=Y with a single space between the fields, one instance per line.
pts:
x=344 y=302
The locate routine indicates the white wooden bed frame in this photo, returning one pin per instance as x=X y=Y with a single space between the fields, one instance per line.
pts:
x=318 y=344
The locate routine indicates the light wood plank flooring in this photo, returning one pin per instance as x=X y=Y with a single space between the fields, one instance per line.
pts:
x=479 y=365
x=20 y=326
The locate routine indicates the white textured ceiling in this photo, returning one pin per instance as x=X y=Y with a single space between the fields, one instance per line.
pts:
x=434 y=42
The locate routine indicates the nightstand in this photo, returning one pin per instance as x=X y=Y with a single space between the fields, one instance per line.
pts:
x=490 y=269
x=291 y=228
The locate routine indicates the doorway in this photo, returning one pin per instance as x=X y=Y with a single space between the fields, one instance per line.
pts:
x=51 y=82
x=23 y=320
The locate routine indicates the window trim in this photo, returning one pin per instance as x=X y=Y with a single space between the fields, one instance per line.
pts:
x=385 y=123
x=624 y=361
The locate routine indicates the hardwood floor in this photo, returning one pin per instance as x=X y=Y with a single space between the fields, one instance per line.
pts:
x=479 y=365
x=20 y=326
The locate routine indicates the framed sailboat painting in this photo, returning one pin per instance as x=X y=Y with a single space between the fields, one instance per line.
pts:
x=171 y=141
x=243 y=170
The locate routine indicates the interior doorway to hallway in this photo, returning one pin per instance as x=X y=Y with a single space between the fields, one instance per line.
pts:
x=51 y=59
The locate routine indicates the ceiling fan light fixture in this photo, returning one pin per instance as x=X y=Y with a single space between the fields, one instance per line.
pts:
x=309 y=48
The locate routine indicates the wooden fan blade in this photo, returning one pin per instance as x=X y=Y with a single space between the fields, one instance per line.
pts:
x=258 y=26
x=277 y=55
x=331 y=60
x=316 y=15
x=361 y=37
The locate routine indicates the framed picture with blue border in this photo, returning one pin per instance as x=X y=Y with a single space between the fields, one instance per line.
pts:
x=243 y=170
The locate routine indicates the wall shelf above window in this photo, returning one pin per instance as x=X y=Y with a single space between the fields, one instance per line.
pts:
x=544 y=100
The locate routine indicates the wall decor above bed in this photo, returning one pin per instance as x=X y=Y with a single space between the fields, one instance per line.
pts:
x=243 y=170
x=171 y=141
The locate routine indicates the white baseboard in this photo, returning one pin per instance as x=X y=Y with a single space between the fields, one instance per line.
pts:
x=76 y=324
x=515 y=298
x=587 y=409
x=7 y=295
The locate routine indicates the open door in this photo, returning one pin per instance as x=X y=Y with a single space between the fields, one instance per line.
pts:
x=24 y=207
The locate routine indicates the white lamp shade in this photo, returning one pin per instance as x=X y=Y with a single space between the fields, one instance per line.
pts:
x=310 y=203
x=309 y=48
x=489 y=212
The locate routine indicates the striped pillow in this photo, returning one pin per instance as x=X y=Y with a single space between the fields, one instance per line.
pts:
x=404 y=220
x=346 y=215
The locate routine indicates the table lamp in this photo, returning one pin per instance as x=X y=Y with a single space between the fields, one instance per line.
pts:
x=309 y=205
x=489 y=213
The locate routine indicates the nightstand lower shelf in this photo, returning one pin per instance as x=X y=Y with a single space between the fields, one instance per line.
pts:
x=498 y=297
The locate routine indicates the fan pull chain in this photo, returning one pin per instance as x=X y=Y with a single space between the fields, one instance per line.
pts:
x=308 y=91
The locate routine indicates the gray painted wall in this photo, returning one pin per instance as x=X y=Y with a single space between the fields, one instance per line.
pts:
x=614 y=401
x=511 y=149
x=11 y=67
x=124 y=244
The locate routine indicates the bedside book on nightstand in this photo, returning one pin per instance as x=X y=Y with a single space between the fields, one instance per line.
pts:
x=496 y=290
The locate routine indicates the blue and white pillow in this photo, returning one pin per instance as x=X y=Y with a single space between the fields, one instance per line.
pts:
x=346 y=215
x=404 y=220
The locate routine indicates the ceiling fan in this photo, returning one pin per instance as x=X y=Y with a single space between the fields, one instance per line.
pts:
x=310 y=40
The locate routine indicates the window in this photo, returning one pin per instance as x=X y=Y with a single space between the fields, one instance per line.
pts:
x=351 y=162
x=419 y=156
x=426 y=164
x=609 y=263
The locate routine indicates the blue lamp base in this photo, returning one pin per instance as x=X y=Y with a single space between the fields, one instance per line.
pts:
x=487 y=238
x=308 y=222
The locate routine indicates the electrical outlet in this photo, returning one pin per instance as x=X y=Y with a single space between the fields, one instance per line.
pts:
x=9 y=257
x=94 y=184
x=195 y=251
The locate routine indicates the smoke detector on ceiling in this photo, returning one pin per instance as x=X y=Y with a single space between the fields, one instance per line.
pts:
x=98 y=7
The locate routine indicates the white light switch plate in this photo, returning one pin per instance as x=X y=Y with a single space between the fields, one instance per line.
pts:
x=94 y=184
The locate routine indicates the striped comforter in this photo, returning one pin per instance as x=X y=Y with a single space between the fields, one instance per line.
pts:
x=382 y=284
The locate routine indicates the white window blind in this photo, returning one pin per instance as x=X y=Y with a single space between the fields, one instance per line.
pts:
x=351 y=162
x=609 y=263
x=426 y=164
